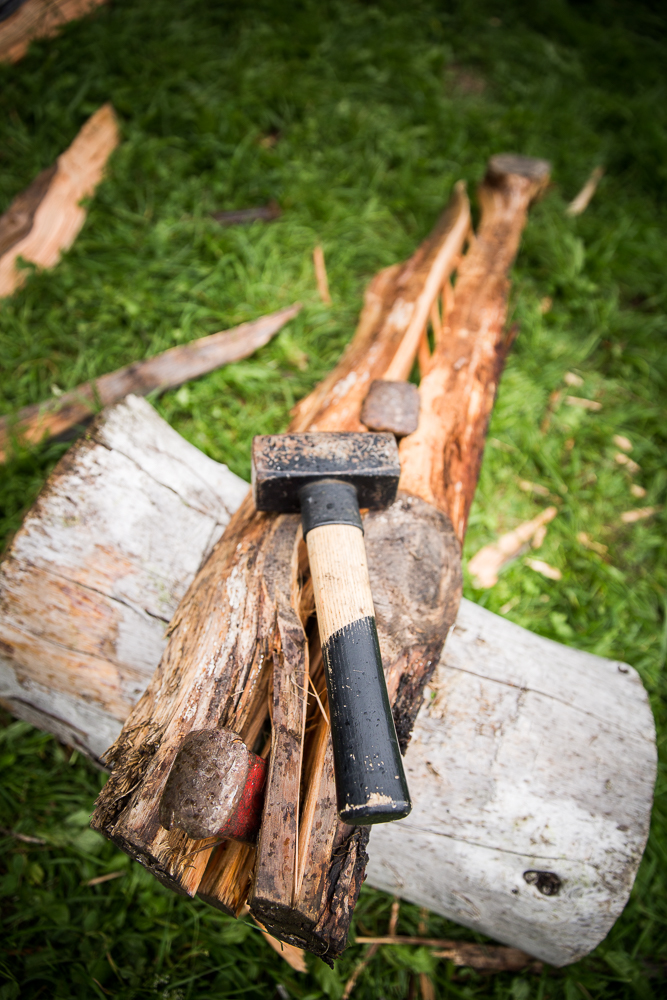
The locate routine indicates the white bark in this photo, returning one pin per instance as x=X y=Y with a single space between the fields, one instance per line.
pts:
x=527 y=755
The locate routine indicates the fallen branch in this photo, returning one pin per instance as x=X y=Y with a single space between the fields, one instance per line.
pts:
x=38 y=19
x=163 y=371
x=23 y=837
x=484 y=957
x=44 y=220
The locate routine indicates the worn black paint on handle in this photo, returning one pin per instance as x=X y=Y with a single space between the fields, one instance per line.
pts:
x=370 y=781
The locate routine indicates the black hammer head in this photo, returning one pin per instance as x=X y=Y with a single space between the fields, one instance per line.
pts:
x=283 y=463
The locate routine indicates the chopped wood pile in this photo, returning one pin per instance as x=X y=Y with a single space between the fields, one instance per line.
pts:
x=164 y=371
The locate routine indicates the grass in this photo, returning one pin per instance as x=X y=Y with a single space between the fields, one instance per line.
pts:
x=378 y=109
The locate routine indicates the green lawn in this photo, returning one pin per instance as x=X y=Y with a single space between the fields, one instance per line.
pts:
x=378 y=109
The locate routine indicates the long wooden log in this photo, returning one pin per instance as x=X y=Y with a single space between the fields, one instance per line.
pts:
x=45 y=219
x=526 y=756
x=163 y=371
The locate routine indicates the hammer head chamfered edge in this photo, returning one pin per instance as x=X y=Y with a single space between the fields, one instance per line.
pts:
x=283 y=463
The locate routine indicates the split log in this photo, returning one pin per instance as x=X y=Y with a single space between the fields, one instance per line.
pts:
x=164 y=371
x=527 y=756
x=38 y=19
x=46 y=218
x=244 y=613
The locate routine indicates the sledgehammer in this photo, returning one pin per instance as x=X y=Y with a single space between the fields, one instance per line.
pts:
x=328 y=477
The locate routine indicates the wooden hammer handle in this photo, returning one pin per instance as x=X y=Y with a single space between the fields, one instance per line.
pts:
x=370 y=781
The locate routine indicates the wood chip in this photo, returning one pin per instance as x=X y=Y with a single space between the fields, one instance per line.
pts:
x=321 y=275
x=630 y=516
x=104 y=878
x=529 y=487
x=544 y=569
x=627 y=462
x=582 y=201
x=23 y=837
x=583 y=404
x=637 y=491
x=571 y=378
x=588 y=543
x=58 y=217
x=38 y=19
x=625 y=444
x=487 y=563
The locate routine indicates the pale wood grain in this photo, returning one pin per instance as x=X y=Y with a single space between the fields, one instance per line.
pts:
x=59 y=216
x=339 y=571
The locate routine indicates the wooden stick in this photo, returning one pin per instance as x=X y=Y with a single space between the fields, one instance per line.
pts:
x=321 y=275
x=55 y=220
x=38 y=19
x=485 y=957
x=163 y=371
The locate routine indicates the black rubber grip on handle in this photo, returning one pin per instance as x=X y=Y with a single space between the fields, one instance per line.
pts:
x=370 y=781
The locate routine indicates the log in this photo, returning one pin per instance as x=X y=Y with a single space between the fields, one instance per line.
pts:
x=38 y=19
x=254 y=582
x=532 y=756
x=163 y=371
x=44 y=220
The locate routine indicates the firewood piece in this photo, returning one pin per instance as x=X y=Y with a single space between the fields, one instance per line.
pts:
x=487 y=562
x=391 y=406
x=58 y=217
x=38 y=19
x=244 y=216
x=163 y=371
x=462 y=852
x=441 y=461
